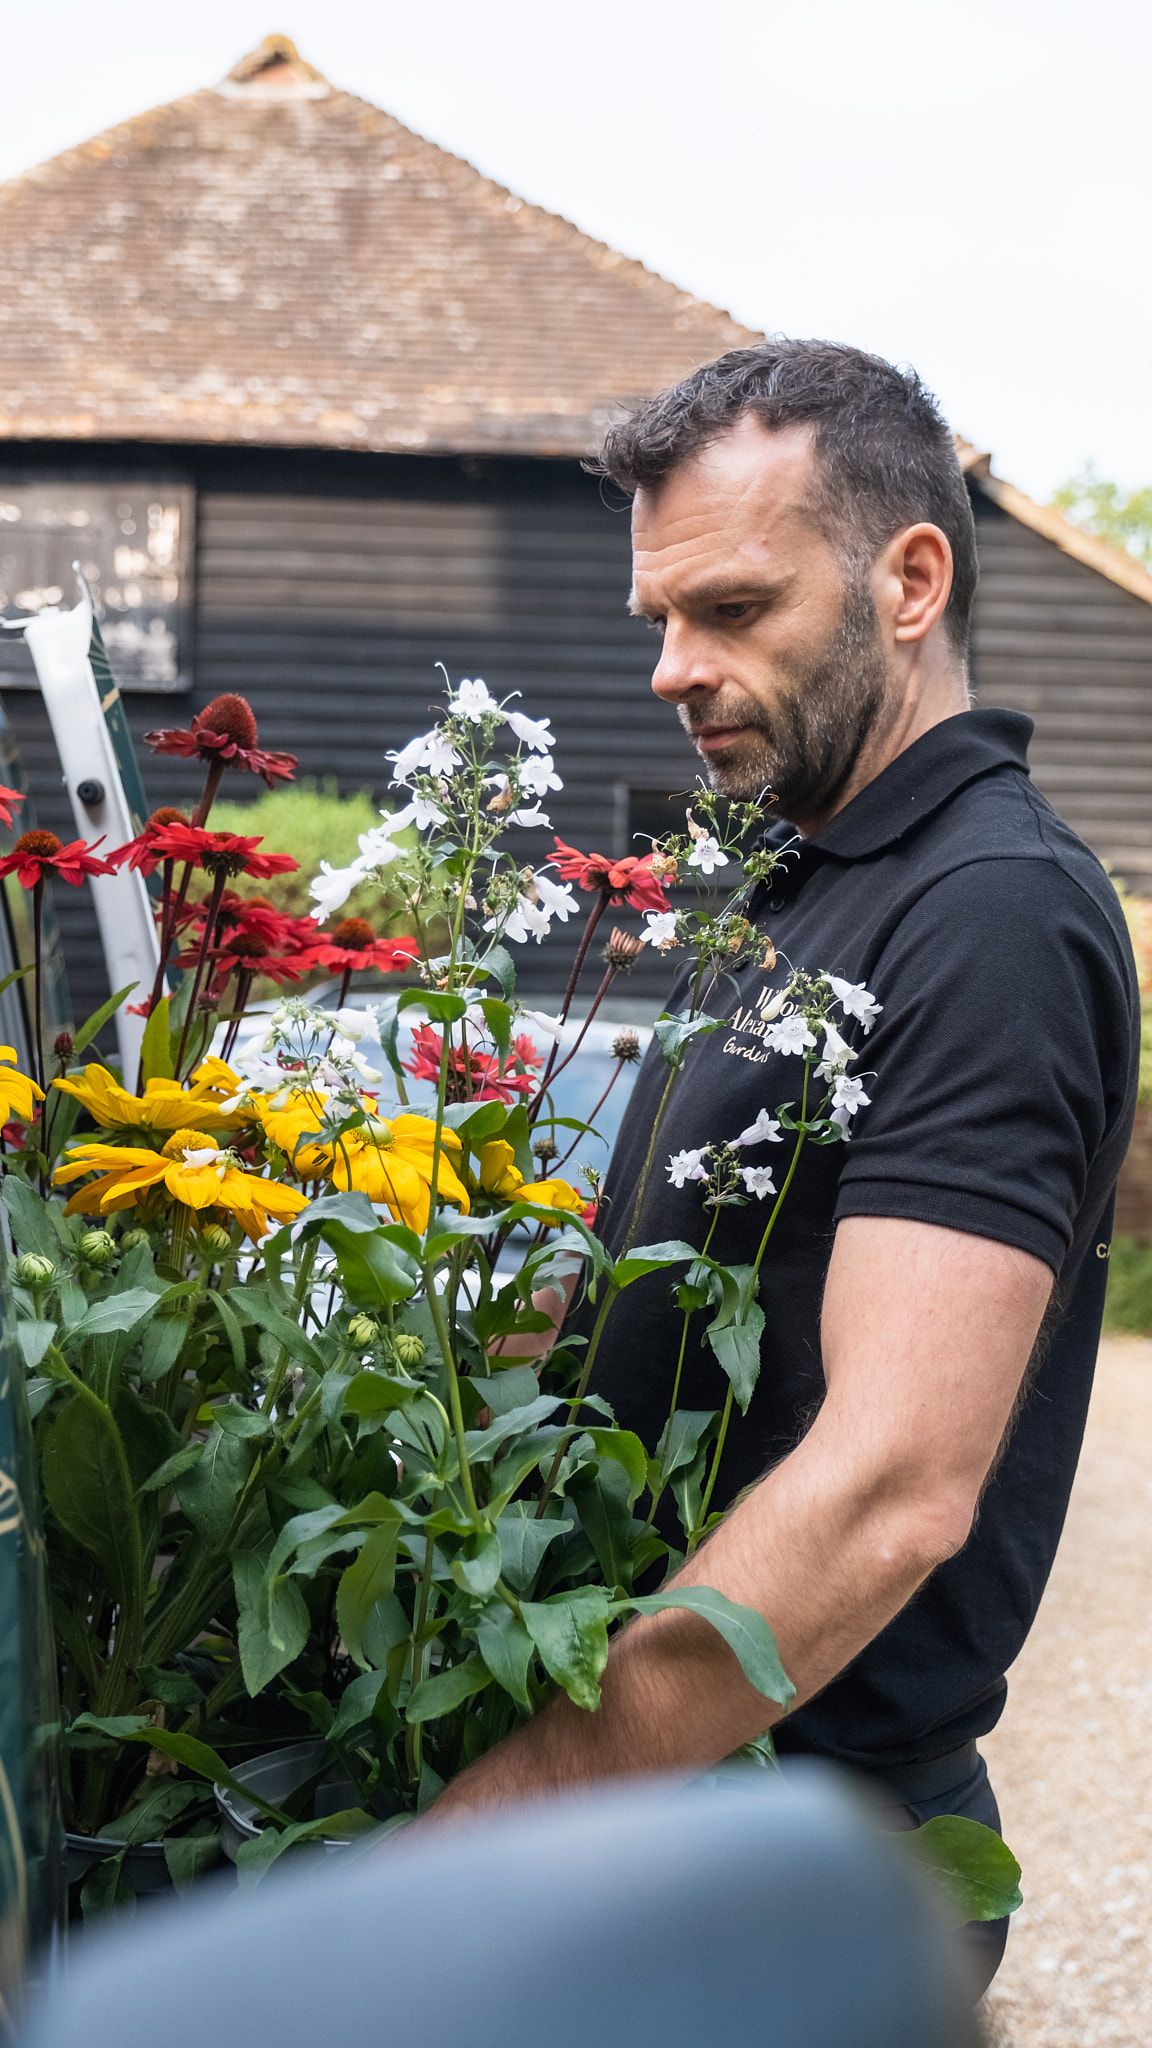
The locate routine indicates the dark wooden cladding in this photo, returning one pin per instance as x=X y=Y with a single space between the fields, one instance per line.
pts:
x=327 y=587
x=1057 y=640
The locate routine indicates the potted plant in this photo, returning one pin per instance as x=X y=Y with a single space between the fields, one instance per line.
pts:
x=307 y=1480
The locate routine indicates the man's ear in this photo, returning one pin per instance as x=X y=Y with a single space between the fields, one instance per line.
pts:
x=914 y=576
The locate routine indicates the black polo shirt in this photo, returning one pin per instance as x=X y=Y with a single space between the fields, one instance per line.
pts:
x=1002 y=1083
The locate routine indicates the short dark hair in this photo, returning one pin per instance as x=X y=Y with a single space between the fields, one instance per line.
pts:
x=886 y=455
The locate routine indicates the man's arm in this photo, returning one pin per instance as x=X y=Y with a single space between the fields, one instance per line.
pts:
x=926 y=1336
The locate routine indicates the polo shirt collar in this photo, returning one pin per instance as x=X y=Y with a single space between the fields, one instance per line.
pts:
x=924 y=776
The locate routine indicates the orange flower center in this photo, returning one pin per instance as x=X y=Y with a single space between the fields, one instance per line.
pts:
x=42 y=844
x=355 y=934
x=166 y=815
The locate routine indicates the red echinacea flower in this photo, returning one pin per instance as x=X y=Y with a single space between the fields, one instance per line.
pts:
x=140 y=853
x=629 y=880
x=474 y=1076
x=225 y=731
x=39 y=854
x=220 y=853
x=354 y=946
x=9 y=798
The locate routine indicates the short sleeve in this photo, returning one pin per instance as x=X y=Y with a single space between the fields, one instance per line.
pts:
x=998 y=1060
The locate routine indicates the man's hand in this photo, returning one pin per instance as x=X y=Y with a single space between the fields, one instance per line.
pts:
x=926 y=1337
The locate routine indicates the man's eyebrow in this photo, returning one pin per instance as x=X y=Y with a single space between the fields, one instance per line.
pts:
x=719 y=592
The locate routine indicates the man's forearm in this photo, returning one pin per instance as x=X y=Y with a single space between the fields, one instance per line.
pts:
x=826 y=1552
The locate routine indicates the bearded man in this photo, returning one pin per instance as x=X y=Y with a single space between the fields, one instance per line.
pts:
x=804 y=547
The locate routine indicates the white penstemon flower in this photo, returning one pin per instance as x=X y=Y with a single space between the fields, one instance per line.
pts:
x=790 y=1034
x=707 y=854
x=847 y=1097
x=538 y=775
x=837 y=1053
x=765 y=1131
x=535 y=733
x=855 y=1000
x=332 y=887
x=558 y=899
x=688 y=1165
x=474 y=700
x=758 y=1181
x=660 y=930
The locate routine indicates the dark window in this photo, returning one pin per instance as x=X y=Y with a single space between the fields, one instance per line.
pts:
x=133 y=542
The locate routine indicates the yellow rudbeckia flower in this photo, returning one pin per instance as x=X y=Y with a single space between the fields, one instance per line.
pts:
x=192 y=1168
x=19 y=1094
x=497 y=1171
x=391 y=1163
x=289 y=1121
x=164 y=1106
x=553 y=1194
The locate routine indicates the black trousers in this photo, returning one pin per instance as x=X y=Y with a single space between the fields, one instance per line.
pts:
x=957 y=1783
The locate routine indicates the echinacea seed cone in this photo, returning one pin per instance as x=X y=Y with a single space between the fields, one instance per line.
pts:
x=232 y=715
x=40 y=844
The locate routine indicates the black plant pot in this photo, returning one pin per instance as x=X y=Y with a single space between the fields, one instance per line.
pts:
x=144 y=1865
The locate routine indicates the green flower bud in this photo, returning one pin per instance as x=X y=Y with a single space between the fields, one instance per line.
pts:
x=215 y=1242
x=132 y=1238
x=364 y=1331
x=98 y=1247
x=35 y=1271
x=409 y=1349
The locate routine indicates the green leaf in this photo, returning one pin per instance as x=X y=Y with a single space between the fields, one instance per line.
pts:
x=683 y=1435
x=89 y=1489
x=116 y=1312
x=190 y=1856
x=746 y=1633
x=94 y=1025
x=371 y=1393
x=675 y=1034
x=624 y=1448
x=171 y=1469
x=447 y=1690
x=476 y=1566
x=483 y=1444
x=34 y=1339
x=230 y=1324
x=571 y=1633
x=118 y=1727
x=105 y=1888
x=498 y=962
x=647 y=1258
x=976 y=1871
x=259 y=1305
x=209 y=1490
x=161 y=1803
x=31 y=1223
x=237 y=1421
x=163 y=1341
x=439 y=1008
x=737 y=1346
x=599 y=1494
x=524 y=1538
x=368 y=1579
x=357 y=1703
x=507 y=1650
x=156 y=1061
x=273 y=1621
x=204 y=1762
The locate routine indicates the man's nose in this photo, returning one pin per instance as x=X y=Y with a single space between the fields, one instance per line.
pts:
x=684 y=666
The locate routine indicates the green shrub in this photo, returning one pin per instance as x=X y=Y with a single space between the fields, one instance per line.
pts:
x=1128 y=1306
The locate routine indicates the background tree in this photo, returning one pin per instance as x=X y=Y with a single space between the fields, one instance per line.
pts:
x=1112 y=513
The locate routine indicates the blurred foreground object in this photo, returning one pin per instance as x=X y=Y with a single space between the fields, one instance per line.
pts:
x=750 y=1910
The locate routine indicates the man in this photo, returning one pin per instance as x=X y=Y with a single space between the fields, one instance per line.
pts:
x=804 y=546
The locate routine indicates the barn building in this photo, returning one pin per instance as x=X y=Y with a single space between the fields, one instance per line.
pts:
x=308 y=398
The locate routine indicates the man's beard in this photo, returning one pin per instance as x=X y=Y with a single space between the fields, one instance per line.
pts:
x=798 y=756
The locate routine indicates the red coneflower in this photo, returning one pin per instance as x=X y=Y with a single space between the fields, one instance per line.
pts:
x=220 y=854
x=225 y=731
x=474 y=1076
x=629 y=880
x=141 y=853
x=39 y=854
x=8 y=798
x=353 y=945
x=257 y=917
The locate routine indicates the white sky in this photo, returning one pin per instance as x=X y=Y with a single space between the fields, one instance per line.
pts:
x=962 y=186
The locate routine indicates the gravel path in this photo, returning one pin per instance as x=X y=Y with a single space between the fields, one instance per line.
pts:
x=1072 y=1759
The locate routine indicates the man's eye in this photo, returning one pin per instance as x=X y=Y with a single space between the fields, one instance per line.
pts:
x=733 y=611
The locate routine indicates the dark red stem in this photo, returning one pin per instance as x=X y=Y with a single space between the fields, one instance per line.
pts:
x=598 y=909
x=207 y=936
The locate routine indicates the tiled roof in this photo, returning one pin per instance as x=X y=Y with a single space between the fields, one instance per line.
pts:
x=274 y=261
x=1108 y=560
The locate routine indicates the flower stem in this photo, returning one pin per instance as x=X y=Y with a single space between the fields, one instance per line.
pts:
x=440 y=1325
x=597 y=912
x=38 y=976
x=697 y=1531
x=207 y=936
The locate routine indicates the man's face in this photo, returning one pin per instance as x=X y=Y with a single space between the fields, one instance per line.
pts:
x=772 y=652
